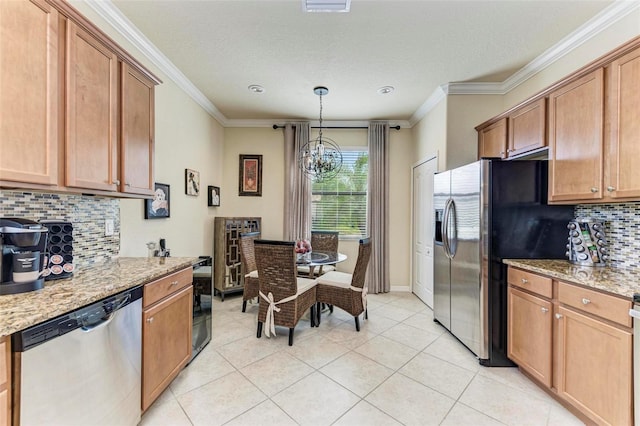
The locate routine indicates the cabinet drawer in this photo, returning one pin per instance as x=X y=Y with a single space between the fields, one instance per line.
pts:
x=609 y=307
x=531 y=282
x=163 y=287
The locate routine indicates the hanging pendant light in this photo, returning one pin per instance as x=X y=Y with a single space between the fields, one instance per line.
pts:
x=320 y=158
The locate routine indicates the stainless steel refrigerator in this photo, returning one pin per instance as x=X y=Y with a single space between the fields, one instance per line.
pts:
x=485 y=212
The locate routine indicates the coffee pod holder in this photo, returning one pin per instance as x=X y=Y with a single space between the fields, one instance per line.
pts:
x=60 y=250
x=587 y=243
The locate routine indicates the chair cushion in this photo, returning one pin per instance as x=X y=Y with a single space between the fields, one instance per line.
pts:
x=336 y=279
x=252 y=274
x=305 y=284
x=202 y=272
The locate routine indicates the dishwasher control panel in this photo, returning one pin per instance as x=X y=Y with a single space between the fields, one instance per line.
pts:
x=87 y=317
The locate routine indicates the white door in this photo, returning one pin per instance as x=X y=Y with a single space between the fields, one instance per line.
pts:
x=422 y=250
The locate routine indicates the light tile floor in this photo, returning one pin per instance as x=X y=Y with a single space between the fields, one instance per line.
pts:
x=401 y=368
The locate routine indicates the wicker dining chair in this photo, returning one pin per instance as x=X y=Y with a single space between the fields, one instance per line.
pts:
x=249 y=268
x=325 y=242
x=346 y=291
x=284 y=297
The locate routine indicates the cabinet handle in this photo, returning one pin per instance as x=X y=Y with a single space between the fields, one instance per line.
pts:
x=127 y=184
x=610 y=188
x=512 y=150
x=174 y=283
x=558 y=316
x=544 y=310
x=150 y=320
x=594 y=189
x=585 y=301
x=116 y=182
x=524 y=280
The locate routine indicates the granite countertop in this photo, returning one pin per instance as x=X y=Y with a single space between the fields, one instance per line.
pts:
x=87 y=285
x=621 y=282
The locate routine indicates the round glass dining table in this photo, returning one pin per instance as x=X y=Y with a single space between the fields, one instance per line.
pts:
x=319 y=259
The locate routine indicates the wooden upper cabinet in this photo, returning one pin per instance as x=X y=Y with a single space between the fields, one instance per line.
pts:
x=527 y=128
x=29 y=113
x=492 y=140
x=91 y=112
x=576 y=139
x=137 y=138
x=622 y=174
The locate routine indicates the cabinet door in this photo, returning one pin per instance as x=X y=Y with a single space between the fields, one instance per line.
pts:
x=137 y=143
x=622 y=174
x=576 y=139
x=527 y=128
x=166 y=342
x=530 y=337
x=5 y=381
x=29 y=82
x=595 y=367
x=91 y=112
x=492 y=140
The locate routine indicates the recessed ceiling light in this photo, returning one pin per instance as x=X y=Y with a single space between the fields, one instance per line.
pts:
x=326 y=5
x=256 y=88
x=385 y=90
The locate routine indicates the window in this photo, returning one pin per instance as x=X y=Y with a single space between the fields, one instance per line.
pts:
x=340 y=204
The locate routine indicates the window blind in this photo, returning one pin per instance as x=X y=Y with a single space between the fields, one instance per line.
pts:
x=340 y=204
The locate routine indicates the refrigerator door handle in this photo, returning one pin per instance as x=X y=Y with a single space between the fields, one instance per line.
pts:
x=445 y=229
x=452 y=245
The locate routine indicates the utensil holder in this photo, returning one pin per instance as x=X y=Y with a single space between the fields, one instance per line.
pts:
x=587 y=244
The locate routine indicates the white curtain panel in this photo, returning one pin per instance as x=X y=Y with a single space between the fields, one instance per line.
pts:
x=378 y=207
x=297 y=191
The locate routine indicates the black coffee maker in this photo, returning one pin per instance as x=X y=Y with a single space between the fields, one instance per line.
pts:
x=22 y=243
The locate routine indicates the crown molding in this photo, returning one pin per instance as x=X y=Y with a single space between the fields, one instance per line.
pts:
x=611 y=14
x=316 y=123
x=607 y=17
x=113 y=16
x=438 y=95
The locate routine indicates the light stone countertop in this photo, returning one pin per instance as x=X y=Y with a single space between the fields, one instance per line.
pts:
x=621 y=282
x=87 y=285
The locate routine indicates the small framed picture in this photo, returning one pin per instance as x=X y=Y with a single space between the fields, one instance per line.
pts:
x=213 y=199
x=250 y=179
x=158 y=207
x=191 y=182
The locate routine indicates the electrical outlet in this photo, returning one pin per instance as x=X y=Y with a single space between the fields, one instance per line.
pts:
x=108 y=227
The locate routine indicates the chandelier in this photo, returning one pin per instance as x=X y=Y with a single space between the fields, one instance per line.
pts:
x=320 y=158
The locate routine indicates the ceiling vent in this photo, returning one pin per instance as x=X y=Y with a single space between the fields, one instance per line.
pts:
x=326 y=5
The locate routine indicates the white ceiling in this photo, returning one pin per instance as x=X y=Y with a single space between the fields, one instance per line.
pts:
x=223 y=46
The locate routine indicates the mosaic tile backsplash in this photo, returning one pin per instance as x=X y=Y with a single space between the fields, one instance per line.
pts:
x=622 y=230
x=86 y=213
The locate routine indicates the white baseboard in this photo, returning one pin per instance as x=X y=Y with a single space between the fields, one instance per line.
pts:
x=404 y=288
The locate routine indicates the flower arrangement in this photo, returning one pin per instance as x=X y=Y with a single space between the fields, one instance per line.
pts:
x=303 y=246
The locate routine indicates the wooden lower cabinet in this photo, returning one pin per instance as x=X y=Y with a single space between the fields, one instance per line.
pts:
x=576 y=342
x=5 y=381
x=530 y=331
x=166 y=342
x=594 y=367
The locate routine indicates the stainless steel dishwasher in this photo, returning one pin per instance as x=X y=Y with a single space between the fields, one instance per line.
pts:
x=83 y=368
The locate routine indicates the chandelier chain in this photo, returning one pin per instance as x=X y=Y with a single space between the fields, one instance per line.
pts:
x=320 y=132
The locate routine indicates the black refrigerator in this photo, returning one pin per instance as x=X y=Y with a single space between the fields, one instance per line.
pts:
x=485 y=212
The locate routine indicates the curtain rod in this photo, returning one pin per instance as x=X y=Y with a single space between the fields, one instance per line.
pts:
x=275 y=127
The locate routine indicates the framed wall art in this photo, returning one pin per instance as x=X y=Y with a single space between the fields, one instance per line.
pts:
x=213 y=198
x=191 y=182
x=159 y=206
x=250 y=176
